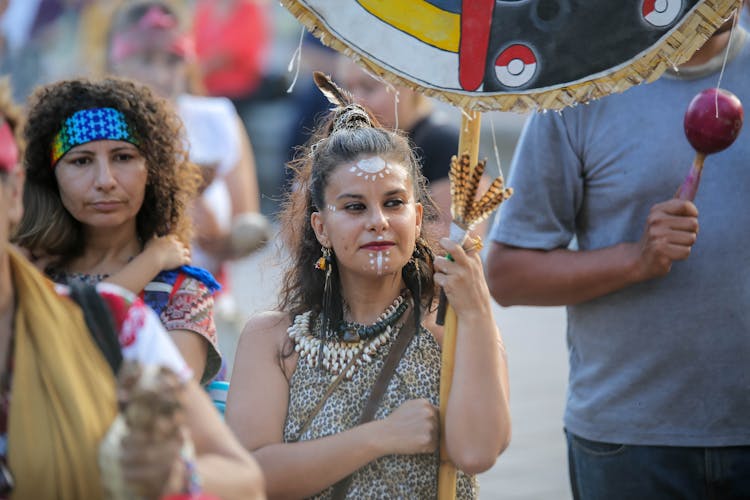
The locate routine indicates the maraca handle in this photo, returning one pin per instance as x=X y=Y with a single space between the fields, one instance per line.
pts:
x=689 y=187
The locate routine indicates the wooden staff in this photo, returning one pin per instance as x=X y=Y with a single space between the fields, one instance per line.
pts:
x=468 y=142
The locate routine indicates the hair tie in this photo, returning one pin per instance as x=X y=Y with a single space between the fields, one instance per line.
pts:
x=87 y=125
x=350 y=117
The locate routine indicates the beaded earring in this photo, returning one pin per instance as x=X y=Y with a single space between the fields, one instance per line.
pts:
x=325 y=264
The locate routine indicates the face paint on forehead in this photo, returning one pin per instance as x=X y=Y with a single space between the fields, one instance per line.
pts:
x=371 y=168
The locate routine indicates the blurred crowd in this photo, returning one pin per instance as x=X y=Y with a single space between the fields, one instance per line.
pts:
x=42 y=41
x=243 y=50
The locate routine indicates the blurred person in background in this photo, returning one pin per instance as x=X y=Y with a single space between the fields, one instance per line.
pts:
x=92 y=35
x=309 y=104
x=40 y=42
x=232 y=42
x=148 y=41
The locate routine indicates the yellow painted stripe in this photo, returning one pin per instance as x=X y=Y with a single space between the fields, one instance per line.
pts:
x=419 y=19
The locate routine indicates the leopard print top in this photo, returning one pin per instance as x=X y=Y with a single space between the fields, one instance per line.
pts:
x=392 y=476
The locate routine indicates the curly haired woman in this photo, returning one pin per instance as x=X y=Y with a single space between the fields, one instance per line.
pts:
x=107 y=193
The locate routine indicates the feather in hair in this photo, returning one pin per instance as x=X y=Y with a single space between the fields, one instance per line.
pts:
x=335 y=94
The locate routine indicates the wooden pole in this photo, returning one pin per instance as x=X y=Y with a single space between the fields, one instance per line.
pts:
x=468 y=142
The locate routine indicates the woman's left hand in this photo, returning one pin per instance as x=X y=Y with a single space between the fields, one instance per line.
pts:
x=462 y=277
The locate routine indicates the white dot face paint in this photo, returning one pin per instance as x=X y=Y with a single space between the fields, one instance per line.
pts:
x=380 y=261
x=332 y=208
x=371 y=169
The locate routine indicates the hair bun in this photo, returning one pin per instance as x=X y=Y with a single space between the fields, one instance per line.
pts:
x=351 y=117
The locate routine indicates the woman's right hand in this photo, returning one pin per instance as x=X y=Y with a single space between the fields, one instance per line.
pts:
x=412 y=428
x=169 y=251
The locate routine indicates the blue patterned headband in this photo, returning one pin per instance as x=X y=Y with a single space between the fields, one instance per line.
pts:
x=88 y=125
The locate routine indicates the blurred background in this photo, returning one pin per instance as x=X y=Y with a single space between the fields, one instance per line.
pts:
x=46 y=40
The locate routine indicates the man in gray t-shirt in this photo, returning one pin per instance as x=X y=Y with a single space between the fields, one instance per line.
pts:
x=658 y=314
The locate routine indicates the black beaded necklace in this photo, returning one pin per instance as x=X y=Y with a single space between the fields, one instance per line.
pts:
x=349 y=331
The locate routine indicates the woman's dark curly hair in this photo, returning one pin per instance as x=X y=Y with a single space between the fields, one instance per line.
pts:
x=346 y=135
x=172 y=182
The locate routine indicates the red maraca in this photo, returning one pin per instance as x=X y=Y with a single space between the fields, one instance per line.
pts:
x=712 y=122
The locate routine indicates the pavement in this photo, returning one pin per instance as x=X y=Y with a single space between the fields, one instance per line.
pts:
x=534 y=467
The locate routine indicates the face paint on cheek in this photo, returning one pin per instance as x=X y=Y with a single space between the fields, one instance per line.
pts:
x=331 y=208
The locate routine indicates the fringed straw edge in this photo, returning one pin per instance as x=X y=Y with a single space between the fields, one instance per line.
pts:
x=674 y=50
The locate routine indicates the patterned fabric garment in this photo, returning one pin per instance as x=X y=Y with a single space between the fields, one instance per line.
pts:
x=190 y=308
x=417 y=376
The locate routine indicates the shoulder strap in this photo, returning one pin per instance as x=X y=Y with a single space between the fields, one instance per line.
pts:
x=321 y=402
x=378 y=389
x=99 y=321
x=389 y=367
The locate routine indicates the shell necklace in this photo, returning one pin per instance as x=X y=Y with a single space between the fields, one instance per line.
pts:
x=337 y=356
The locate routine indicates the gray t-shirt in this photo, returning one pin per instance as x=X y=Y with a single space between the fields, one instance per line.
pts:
x=664 y=362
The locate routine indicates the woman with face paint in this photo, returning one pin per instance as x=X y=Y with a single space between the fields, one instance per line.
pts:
x=107 y=192
x=149 y=42
x=357 y=301
x=57 y=392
